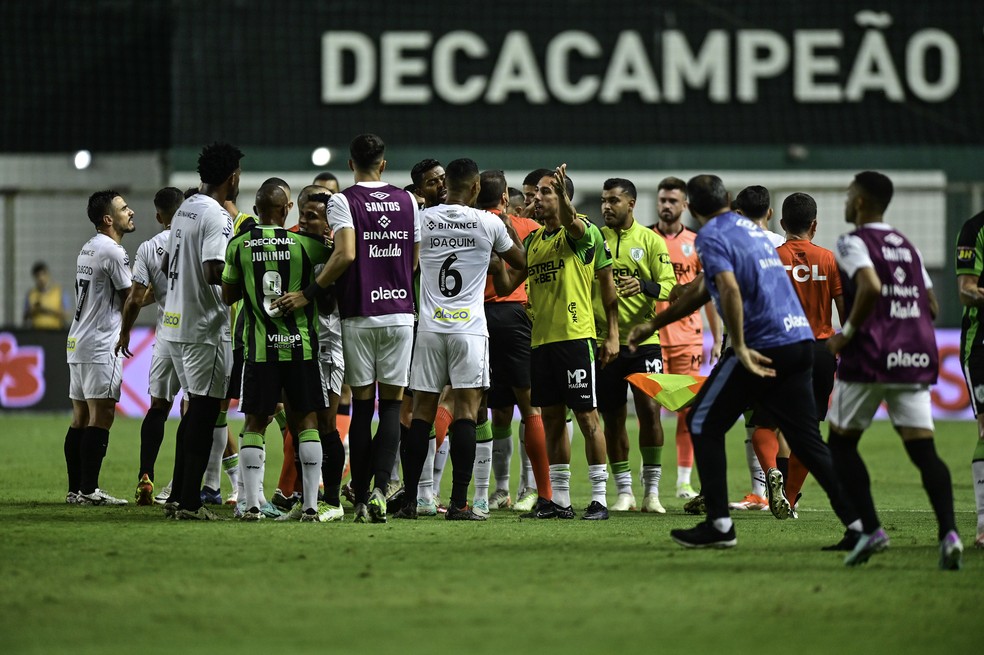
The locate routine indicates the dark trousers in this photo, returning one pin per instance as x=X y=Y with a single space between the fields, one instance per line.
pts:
x=788 y=398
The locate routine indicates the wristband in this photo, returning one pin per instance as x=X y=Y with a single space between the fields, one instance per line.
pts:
x=848 y=330
x=311 y=291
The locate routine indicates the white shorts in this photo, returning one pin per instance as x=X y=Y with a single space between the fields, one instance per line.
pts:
x=330 y=353
x=95 y=380
x=163 y=378
x=459 y=359
x=377 y=354
x=853 y=405
x=203 y=369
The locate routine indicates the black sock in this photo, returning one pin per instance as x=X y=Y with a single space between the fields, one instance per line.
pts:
x=782 y=463
x=343 y=410
x=73 y=458
x=177 y=475
x=415 y=448
x=151 y=438
x=203 y=412
x=935 y=480
x=360 y=448
x=462 y=459
x=95 y=441
x=386 y=444
x=332 y=465
x=854 y=479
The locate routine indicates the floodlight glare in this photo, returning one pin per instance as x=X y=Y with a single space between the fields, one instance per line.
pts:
x=321 y=156
x=82 y=159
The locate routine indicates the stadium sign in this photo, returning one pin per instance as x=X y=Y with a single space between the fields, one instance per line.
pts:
x=574 y=67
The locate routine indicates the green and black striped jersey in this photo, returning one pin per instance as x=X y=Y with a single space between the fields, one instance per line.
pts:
x=970 y=261
x=269 y=261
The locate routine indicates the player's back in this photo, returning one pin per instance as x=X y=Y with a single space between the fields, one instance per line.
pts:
x=455 y=247
x=816 y=281
x=193 y=310
x=386 y=223
x=148 y=269
x=102 y=269
x=269 y=261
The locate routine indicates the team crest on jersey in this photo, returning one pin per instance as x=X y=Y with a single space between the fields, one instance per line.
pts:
x=965 y=255
x=636 y=254
x=379 y=195
x=687 y=249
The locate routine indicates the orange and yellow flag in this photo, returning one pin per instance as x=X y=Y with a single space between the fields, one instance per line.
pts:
x=669 y=390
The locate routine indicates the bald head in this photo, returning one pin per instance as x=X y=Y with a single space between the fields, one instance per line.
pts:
x=271 y=204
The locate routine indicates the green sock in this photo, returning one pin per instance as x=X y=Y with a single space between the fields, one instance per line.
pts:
x=221 y=421
x=979 y=451
x=651 y=455
x=501 y=432
x=281 y=419
x=483 y=432
x=620 y=467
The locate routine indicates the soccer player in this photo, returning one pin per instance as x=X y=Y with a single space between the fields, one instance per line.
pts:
x=531 y=185
x=280 y=351
x=517 y=202
x=509 y=329
x=196 y=322
x=888 y=354
x=816 y=281
x=452 y=338
x=682 y=342
x=327 y=180
x=312 y=204
x=376 y=228
x=970 y=286
x=770 y=361
x=430 y=182
x=102 y=282
x=643 y=273
x=163 y=383
x=761 y=440
x=563 y=258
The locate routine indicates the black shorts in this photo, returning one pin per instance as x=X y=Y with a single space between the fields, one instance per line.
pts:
x=824 y=368
x=973 y=371
x=301 y=383
x=563 y=373
x=612 y=385
x=236 y=377
x=509 y=351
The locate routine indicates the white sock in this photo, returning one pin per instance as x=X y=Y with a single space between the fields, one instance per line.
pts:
x=598 y=475
x=978 y=470
x=856 y=526
x=311 y=453
x=683 y=475
x=482 y=469
x=502 y=450
x=560 y=480
x=526 y=479
x=570 y=431
x=723 y=525
x=440 y=460
x=425 y=490
x=623 y=482
x=230 y=465
x=240 y=488
x=213 y=473
x=650 y=478
x=252 y=460
x=263 y=499
x=754 y=468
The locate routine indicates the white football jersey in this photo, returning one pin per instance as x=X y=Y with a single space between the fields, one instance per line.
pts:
x=193 y=310
x=102 y=270
x=147 y=269
x=455 y=247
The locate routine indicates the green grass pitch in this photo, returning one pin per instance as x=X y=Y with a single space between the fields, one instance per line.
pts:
x=123 y=580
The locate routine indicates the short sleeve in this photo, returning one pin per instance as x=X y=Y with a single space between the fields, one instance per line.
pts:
x=852 y=254
x=340 y=214
x=141 y=270
x=714 y=256
x=501 y=241
x=117 y=268
x=216 y=228
x=969 y=256
x=416 y=218
x=230 y=272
